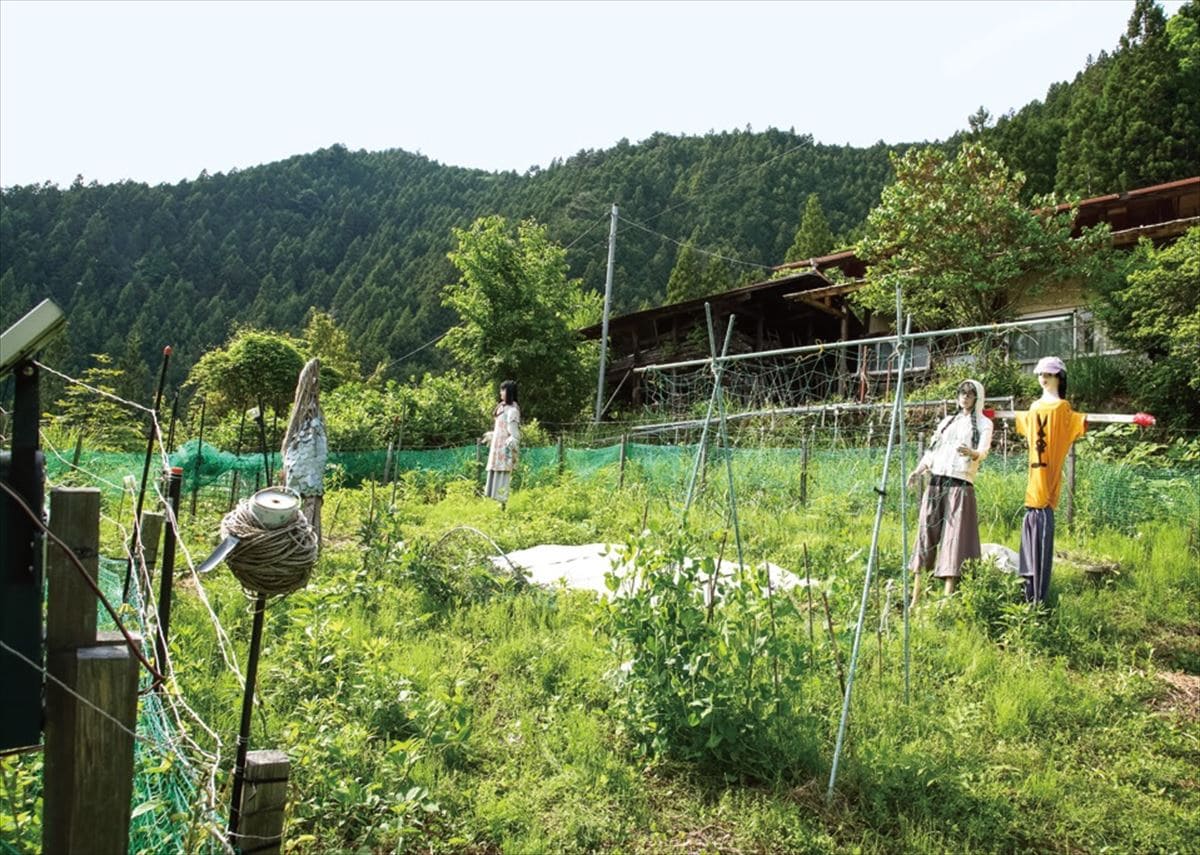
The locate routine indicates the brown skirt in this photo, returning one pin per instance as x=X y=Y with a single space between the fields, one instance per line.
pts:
x=948 y=528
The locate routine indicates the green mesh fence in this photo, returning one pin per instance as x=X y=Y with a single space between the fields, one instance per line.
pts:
x=1107 y=494
x=165 y=794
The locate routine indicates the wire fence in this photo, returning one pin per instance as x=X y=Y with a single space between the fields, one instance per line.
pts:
x=1108 y=490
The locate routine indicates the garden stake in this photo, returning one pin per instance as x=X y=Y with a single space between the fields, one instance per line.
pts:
x=837 y=654
x=199 y=455
x=712 y=580
x=903 y=467
x=804 y=473
x=728 y=452
x=717 y=368
x=774 y=645
x=166 y=580
x=262 y=441
x=151 y=435
x=78 y=451
x=812 y=643
x=881 y=490
x=243 y=740
x=233 y=490
x=174 y=419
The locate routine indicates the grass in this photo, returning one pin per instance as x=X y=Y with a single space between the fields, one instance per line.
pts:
x=426 y=709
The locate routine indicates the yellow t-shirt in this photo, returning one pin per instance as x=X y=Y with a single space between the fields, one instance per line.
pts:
x=1050 y=429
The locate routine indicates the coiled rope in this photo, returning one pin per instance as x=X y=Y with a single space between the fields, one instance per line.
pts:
x=270 y=560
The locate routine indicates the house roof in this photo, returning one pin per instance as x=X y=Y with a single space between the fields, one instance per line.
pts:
x=1161 y=211
x=1158 y=212
x=801 y=281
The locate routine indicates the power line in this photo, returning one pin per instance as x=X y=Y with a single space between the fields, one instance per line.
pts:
x=695 y=248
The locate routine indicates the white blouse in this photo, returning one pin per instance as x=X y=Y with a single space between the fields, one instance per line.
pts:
x=943 y=458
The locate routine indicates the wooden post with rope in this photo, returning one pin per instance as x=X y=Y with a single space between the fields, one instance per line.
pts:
x=91 y=696
x=263 y=802
x=278 y=536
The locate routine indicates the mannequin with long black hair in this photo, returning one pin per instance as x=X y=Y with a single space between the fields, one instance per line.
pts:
x=504 y=441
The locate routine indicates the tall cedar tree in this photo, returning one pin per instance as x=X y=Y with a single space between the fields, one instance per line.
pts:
x=814 y=237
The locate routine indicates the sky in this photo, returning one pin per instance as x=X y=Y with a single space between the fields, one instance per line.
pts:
x=159 y=91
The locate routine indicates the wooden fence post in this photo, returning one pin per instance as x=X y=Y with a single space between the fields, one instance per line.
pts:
x=624 y=457
x=260 y=830
x=1071 y=489
x=88 y=773
x=152 y=526
x=71 y=603
x=561 y=454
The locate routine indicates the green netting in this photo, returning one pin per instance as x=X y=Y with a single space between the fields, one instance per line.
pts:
x=1107 y=494
x=165 y=793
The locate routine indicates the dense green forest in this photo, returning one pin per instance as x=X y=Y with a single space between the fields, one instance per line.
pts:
x=365 y=235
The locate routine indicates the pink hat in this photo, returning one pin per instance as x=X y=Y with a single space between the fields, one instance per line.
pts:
x=1050 y=365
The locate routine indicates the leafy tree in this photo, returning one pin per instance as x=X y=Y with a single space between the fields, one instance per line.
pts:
x=518 y=315
x=331 y=344
x=814 y=237
x=1155 y=310
x=253 y=366
x=953 y=234
x=104 y=424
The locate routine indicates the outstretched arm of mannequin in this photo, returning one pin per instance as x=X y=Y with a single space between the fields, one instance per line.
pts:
x=1139 y=419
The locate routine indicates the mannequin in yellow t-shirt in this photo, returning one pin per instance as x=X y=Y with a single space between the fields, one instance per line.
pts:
x=1050 y=427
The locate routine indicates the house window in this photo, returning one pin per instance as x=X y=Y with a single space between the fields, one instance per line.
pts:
x=1069 y=336
x=883 y=358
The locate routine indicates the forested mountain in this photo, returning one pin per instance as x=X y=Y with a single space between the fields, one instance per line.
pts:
x=364 y=235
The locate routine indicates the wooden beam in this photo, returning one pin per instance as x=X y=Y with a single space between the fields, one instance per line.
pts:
x=824 y=307
x=827 y=291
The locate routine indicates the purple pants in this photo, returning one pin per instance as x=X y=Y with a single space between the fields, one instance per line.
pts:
x=1037 y=553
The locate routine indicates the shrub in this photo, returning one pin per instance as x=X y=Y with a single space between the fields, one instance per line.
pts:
x=709 y=677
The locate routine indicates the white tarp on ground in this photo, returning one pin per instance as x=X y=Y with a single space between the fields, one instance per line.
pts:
x=584 y=566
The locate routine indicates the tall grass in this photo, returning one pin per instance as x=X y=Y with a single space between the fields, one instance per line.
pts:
x=427 y=708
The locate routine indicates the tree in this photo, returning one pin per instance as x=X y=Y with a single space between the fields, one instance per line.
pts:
x=255 y=365
x=331 y=344
x=687 y=276
x=813 y=238
x=519 y=316
x=979 y=121
x=1135 y=119
x=104 y=424
x=1155 y=310
x=953 y=234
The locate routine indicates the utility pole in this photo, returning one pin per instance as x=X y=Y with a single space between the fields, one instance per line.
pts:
x=608 y=282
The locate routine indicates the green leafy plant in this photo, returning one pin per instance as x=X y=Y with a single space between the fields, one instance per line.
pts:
x=708 y=676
